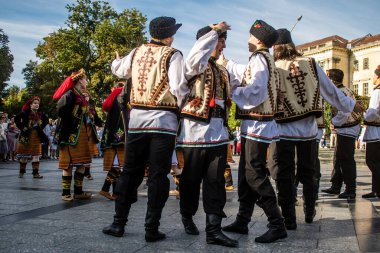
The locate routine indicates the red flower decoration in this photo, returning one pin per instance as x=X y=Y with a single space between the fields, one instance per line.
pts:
x=257 y=25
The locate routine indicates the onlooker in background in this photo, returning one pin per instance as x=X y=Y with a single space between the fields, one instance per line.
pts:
x=3 y=139
x=12 y=135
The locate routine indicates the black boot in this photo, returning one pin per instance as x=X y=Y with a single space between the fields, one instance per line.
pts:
x=119 y=220
x=152 y=222
x=190 y=227
x=214 y=234
x=276 y=224
x=289 y=214
x=332 y=190
x=237 y=226
x=347 y=194
x=309 y=207
x=240 y=225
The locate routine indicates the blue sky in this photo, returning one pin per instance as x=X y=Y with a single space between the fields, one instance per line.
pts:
x=26 y=22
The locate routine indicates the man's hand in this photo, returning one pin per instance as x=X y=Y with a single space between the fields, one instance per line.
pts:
x=358 y=108
x=117 y=55
x=221 y=27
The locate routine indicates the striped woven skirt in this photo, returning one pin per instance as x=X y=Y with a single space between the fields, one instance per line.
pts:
x=77 y=155
x=109 y=157
x=94 y=151
x=33 y=148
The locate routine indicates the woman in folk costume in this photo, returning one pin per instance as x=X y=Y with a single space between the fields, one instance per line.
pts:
x=93 y=120
x=113 y=142
x=31 y=122
x=72 y=136
x=372 y=136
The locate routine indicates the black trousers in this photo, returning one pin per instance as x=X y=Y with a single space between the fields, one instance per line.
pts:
x=305 y=173
x=205 y=165
x=372 y=157
x=143 y=147
x=317 y=169
x=254 y=186
x=344 y=164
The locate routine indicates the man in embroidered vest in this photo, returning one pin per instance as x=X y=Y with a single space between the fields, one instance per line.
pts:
x=304 y=83
x=347 y=127
x=256 y=101
x=73 y=110
x=372 y=136
x=158 y=86
x=204 y=135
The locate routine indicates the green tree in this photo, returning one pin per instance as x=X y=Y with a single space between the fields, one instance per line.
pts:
x=232 y=121
x=94 y=32
x=6 y=62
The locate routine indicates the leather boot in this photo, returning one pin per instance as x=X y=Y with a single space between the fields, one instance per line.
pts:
x=276 y=224
x=240 y=225
x=347 y=194
x=119 y=220
x=214 y=234
x=190 y=227
x=237 y=226
x=332 y=190
x=152 y=222
x=289 y=214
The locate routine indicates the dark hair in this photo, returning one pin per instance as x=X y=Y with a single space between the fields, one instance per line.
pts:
x=285 y=52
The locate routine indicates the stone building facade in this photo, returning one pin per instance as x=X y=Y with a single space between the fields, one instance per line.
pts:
x=357 y=58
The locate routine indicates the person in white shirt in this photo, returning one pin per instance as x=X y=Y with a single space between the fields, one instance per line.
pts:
x=347 y=127
x=372 y=136
x=257 y=105
x=158 y=87
x=304 y=84
x=204 y=136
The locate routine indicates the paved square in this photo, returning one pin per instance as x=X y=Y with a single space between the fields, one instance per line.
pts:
x=33 y=218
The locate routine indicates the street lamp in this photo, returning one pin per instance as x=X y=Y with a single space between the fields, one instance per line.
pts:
x=298 y=20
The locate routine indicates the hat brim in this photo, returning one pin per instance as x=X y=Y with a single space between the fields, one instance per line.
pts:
x=176 y=27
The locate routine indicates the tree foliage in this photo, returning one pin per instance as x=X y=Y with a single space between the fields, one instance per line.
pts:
x=94 y=32
x=6 y=62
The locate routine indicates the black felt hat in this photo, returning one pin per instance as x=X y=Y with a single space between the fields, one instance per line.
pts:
x=336 y=75
x=207 y=29
x=264 y=32
x=284 y=37
x=163 y=27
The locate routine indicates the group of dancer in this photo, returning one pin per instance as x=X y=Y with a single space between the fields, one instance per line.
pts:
x=174 y=102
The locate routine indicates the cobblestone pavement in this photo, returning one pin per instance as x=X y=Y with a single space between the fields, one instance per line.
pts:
x=33 y=218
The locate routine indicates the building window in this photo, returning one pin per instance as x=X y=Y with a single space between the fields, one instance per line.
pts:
x=365 y=89
x=321 y=64
x=322 y=45
x=312 y=48
x=355 y=88
x=356 y=65
x=365 y=63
